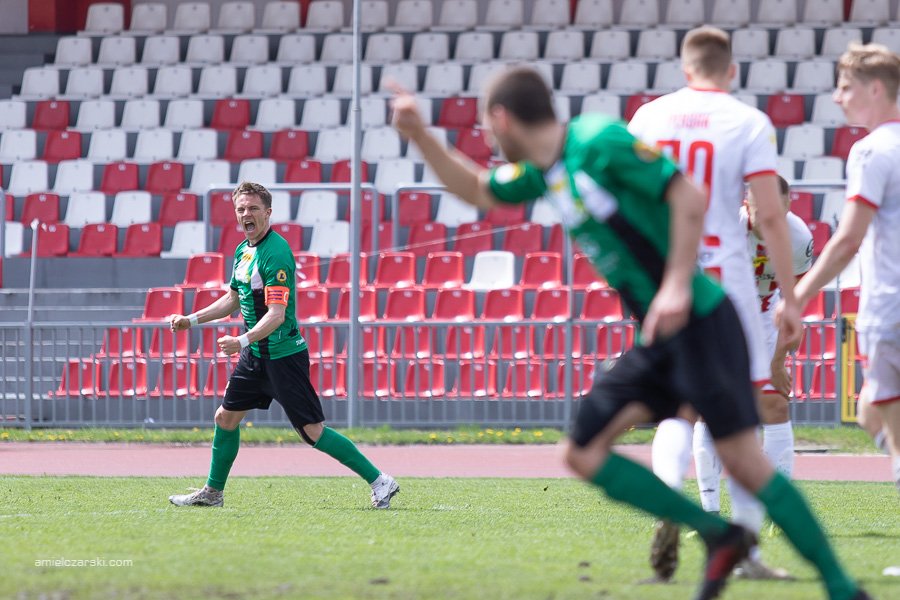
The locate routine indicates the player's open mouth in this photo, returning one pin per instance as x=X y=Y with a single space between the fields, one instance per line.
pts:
x=249 y=226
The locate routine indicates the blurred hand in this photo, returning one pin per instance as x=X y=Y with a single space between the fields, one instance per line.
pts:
x=229 y=344
x=405 y=112
x=787 y=318
x=781 y=379
x=178 y=322
x=668 y=313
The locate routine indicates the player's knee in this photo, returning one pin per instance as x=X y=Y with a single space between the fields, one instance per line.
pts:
x=773 y=409
x=311 y=433
x=226 y=419
x=584 y=461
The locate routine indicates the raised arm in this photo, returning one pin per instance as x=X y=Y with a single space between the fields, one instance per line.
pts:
x=219 y=309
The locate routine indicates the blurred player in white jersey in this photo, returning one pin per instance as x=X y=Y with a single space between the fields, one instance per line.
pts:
x=723 y=144
x=778 y=435
x=868 y=78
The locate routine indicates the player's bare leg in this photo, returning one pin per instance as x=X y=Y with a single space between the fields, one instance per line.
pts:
x=890 y=417
x=869 y=418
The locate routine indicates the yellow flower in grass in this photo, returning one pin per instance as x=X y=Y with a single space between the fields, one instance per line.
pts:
x=4 y=435
x=538 y=433
x=499 y=434
x=249 y=423
x=195 y=429
x=489 y=431
x=433 y=436
x=517 y=430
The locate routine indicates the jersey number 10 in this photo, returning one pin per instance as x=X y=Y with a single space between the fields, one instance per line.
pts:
x=698 y=150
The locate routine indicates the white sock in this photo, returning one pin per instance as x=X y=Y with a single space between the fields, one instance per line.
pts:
x=746 y=510
x=881 y=441
x=778 y=444
x=671 y=451
x=708 y=466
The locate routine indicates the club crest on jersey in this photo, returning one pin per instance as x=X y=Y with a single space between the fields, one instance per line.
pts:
x=508 y=172
x=242 y=267
x=644 y=152
x=281 y=276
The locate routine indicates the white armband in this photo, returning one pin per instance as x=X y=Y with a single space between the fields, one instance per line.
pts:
x=194 y=320
x=244 y=340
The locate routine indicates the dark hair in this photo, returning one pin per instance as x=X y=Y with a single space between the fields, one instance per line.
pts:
x=707 y=50
x=524 y=93
x=783 y=186
x=253 y=189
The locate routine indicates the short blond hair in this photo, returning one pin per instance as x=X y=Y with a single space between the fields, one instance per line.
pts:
x=253 y=189
x=707 y=51
x=868 y=62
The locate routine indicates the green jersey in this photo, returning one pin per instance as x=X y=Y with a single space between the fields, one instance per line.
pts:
x=264 y=274
x=609 y=189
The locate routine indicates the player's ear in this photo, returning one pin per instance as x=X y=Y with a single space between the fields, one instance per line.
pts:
x=732 y=71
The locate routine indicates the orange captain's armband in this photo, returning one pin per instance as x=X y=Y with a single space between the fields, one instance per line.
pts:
x=277 y=295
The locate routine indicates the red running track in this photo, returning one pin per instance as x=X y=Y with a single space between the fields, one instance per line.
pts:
x=157 y=460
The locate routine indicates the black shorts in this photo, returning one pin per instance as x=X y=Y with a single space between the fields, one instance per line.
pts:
x=255 y=382
x=705 y=365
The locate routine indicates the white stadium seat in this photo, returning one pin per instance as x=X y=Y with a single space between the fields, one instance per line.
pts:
x=148 y=17
x=329 y=239
x=260 y=170
x=275 y=114
x=519 y=45
x=547 y=14
x=296 y=48
x=767 y=76
x=413 y=15
x=307 y=80
x=731 y=13
x=504 y=14
x=325 y=15
x=458 y=15
x=610 y=45
x=117 y=50
x=40 y=83
x=105 y=18
x=823 y=12
x=153 y=145
x=685 y=13
x=236 y=16
x=131 y=207
x=217 y=81
x=333 y=144
x=445 y=79
x=640 y=13
x=594 y=14
x=17 y=145
x=28 y=176
x=317 y=206
x=627 y=77
x=429 y=47
x=207 y=173
x=85 y=82
x=280 y=16
x=321 y=113
x=73 y=52
x=566 y=45
x=474 y=46
x=803 y=141
x=205 y=49
x=198 y=145
x=161 y=50
x=777 y=12
x=795 y=42
x=192 y=17
x=74 y=176
x=12 y=114
x=173 y=81
x=250 y=49
x=129 y=82
x=343 y=80
x=492 y=270
x=262 y=80
x=107 y=145
x=96 y=114
x=85 y=208
x=184 y=114
x=188 y=239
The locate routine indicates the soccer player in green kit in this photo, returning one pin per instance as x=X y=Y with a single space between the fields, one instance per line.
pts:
x=274 y=360
x=640 y=221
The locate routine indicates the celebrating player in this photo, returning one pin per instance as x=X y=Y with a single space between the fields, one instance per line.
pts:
x=640 y=221
x=274 y=360
x=868 y=78
x=722 y=143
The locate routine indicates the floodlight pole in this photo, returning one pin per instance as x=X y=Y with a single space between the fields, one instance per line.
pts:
x=353 y=353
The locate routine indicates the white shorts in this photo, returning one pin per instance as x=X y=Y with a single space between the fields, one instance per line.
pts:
x=881 y=372
x=770 y=335
x=740 y=286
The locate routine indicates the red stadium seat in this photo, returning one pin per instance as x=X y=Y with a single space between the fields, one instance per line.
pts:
x=43 y=207
x=464 y=340
x=289 y=145
x=849 y=301
x=78 y=378
x=504 y=304
x=472 y=238
x=613 y=340
x=443 y=270
x=367 y=299
x=376 y=379
x=423 y=379
x=412 y=342
x=427 y=238
x=312 y=305
x=844 y=138
x=504 y=215
x=367 y=198
x=821 y=232
x=177 y=379
x=97 y=239
x=525 y=380
x=142 y=239
x=121 y=342
x=551 y=304
x=166 y=344
x=340 y=171
x=471 y=142
x=50 y=114
x=524 y=238
x=221 y=209
x=786 y=109
x=177 y=207
x=204 y=270
x=395 y=270
x=339 y=271
x=119 y=177
x=541 y=270
x=385 y=236
x=291 y=232
x=303 y=171
x=476 y=379
x=822 y=382
x=513 y=341
x=582 y=378
x=818 y=342
x=166 y=177
x=127 y=378
x=62 y=145
x=802 y=204
x=230 y=238
x=319 y=340
x=413 y=208
x=52 y=240
x=209 y=347
x=243 y=145
x=555 y=341
x=203 y=297
x=454 y=305
x=555 y=243
x=229 y=113
x=162 y=302
x=585 y=275
x=405 y=304
x=815 y=310
x=10 y=202
x=636 y=101
x=307 y=269
x=602 y=304
x=329 y=378
x=458 y=113
x=217 y=377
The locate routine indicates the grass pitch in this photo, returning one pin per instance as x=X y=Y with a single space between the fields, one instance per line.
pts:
x=444 y=538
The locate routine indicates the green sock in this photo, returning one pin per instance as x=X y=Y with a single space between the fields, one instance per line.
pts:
x=341 y=448
x=224 y=449
x=789 y=510
x=627 y=481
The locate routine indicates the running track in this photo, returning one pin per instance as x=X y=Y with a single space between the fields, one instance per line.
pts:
x=540 y=461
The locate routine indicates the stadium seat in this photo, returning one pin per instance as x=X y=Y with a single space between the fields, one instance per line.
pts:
x=802 y=204
x=294 y=49
x=613 y=340
x=262 y=80
x=492 y=270
x=312 y=305
x=685 y=13
x=551 y=304
x=849 y=302
x=129 y=82
x=303 y=171
x=12 y=114
x=457 y=15
x=458 y=112
x=564 y=46
x=475 y=237
x=395 y=270
x=429 y=47
x=471 y=142
x=554 y=345
x=308 y=269
x=580 y=78
x=870 y=12
x=803 y=141
x=140 y=114
x=96 y=114
x=317 y=206
x=337 y=48
x=43 y=207
x=627 y=77
x=15 y=234
x=504 y=14
x=329 y=378
x=321 y=113
x=556 y=242
x=795 y=43
x=231 y=114
x=413 y=208
x=221 y=209
x=785 y=109
x=205 y=270
x=836 y=40
x=243 y=145
x=383 y=48
x=821 y=232
x=291 y=232
x=275 y=114
x=524 y=238
x=376 y=378
x=207 y=173
x=525 y=380
x=380 y=143
x=832 y=207
x=39 y=83
x=177 y=379
x=121 y=342
x=280 y=17
x=192 y=17
x=602 y=304
x=826 y=112
x=289 y=145
x=384 y=233
x=541 y=270
x=73 y=52
x=476 y=380
x=130 y=208
x=62 y=145
x=162 y=302
x=236 y=17
x=281 y=205
x=443 y=79
x=331 y=238
x=443 y=270
x=217 y=81
x=817 y=342
x=165 y=177
x=767 y=76
x=367 y=302
x=51 y=114
x=823 y=12
x=149 y=17
x=198 y=144
x=78 y=378
x=165 y=343
x=593 y=14
x=332 y=144
x=204 y=297
x=84 y=82
x=52 y=240
x=142 y=240
x=813 y=76
x=373 y=112
x=750 y=43
x=18 y=145
x=217 y=377
x=453 y=212
x=119 y=177
x=656 y=44
x=97 y=239
x=117 y=51
x=28 y=176
x=173 y=81
x=84 y=208
x=424 y=379
x=393 y=173
x=105 y=18
x=307 y=81
x=785 y=167
x=154 y=145
x=319 y=338
x=189 y=238
x=426 y=238
x=635 y=101
x=184 y=114
x=844 y=138
x=669 y=77
x=519 y=45
x=733 y=13
x=161 y=50
x=823 y=167
x=176 y=207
